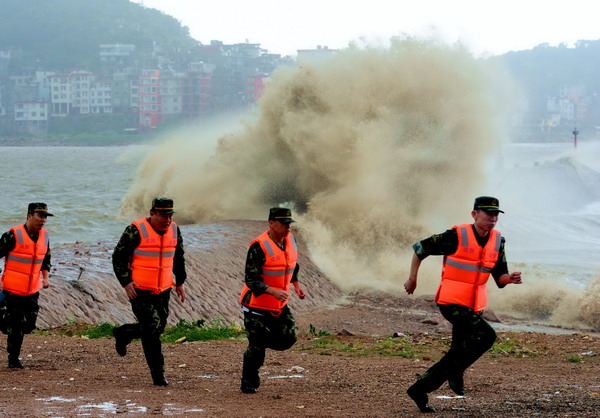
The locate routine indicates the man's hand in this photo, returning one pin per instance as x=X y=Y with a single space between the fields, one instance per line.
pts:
x=130 y=290
x=515 y=277
x=280 y=295
x=45 y=283
x=181 y=293
x=299 y=292
x=410 y=285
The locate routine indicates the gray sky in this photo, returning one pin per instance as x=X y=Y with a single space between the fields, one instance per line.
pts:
x=485 y=27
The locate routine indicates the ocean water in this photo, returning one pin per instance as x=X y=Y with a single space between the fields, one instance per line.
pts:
x=551 y=196
x=82 y=186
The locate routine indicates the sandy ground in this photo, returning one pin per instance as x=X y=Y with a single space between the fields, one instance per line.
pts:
x=554 y=373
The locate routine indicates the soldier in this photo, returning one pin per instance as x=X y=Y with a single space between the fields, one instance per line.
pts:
x=271 y=265
x=471 y=253
x=149 y=252
x=26 y=252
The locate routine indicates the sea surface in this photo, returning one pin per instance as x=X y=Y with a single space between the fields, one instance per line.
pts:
x=82 y=186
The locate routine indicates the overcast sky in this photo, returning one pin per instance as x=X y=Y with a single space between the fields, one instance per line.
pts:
x=485 y=27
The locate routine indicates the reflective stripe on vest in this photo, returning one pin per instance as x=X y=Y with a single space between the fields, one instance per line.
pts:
x=277 y=272
x=24 y=262
x=466 y=272
x=152 y=263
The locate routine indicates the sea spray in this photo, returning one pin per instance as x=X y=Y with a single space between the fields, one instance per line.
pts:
x=372 y=147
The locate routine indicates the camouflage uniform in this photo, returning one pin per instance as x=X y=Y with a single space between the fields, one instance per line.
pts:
x=150 y=309
x=472 y=336
x=264 y=329
x=21 y=312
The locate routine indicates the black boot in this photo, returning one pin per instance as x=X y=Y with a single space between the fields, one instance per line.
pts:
x=14 y=342
x=14 y=363
x=121 y=341
x=457 y=385
x=249 y=387
x=420 y=398
x=158 y=379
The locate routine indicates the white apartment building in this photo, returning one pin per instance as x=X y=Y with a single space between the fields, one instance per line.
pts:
x=32 y=116
x=79 y=93
x=31 y=111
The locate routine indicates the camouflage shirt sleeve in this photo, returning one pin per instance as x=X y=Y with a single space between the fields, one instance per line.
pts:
x=46 y=264
x=7 y=243
x=255 y=260
x=123 y=254
x=446 y=243
x=179 y=261
x=501 y=266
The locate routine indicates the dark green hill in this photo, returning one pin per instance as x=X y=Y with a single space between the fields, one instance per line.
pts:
x=60 y=34
x=545 y=68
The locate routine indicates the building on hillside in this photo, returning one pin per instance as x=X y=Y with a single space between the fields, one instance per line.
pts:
x=197 y=91
x=124 y=91
x=149 y=99
x=115 y=57
x=171 y=95
x=319 y=53
x=255 y=87
x=79 y=93
x=31 y=117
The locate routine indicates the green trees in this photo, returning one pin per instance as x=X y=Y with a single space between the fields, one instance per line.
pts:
x=63 y=34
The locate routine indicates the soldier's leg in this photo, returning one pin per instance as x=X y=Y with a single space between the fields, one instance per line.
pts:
x=472 y=336
x=282 y=331
x=124 y=334
x=151 y=317
x=254 y=356
x=21 y=316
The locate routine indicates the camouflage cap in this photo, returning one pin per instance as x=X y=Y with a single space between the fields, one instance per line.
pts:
x=162 y=204
x=283 y=215
x=487 y=204
x=38 y=207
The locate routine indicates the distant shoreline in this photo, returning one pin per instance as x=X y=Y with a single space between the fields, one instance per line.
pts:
x=77 y=141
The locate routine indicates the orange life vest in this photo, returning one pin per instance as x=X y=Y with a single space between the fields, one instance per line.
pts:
x=23 y=264
x=152 y=263
x=277 y=271
x=466 y=272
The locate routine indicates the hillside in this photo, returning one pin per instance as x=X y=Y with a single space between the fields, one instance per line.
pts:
x=61 y=34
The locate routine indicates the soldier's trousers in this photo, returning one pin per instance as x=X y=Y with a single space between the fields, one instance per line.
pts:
x=471 y=337
x=19 y=319
x=151 y=311
x=265 y=331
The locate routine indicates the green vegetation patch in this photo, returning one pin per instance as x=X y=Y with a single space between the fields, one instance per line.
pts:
x=512 y=347
x=185 y=330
